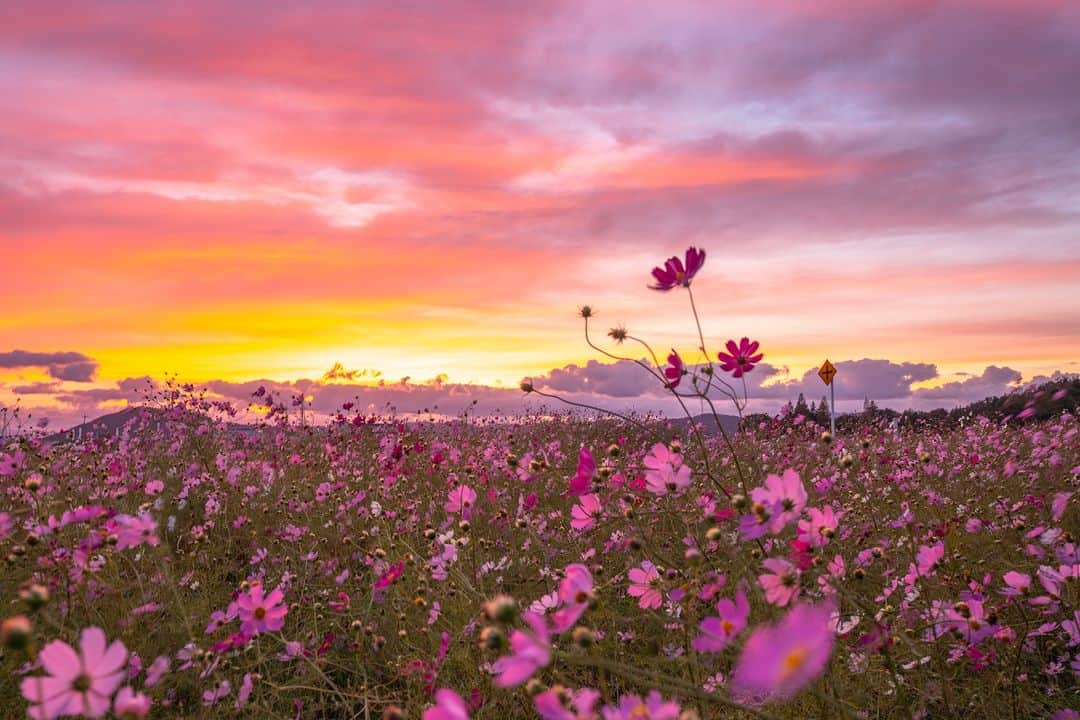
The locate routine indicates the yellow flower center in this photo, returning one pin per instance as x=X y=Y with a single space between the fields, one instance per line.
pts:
x=728 y=626
x=639 y=712
x=793 y=661
x=680 y=276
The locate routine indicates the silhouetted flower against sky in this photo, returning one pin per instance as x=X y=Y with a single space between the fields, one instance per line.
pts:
x=741 y=358
x=675 y=273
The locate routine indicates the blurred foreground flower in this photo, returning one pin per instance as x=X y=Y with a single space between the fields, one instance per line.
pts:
x=77 y=683
x=781 y=659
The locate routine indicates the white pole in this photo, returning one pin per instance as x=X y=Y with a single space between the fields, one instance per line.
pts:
x=832 y=407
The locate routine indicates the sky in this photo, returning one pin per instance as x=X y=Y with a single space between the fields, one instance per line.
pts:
x=234 y=193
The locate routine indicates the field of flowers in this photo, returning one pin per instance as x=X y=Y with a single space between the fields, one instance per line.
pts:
x=557 y=567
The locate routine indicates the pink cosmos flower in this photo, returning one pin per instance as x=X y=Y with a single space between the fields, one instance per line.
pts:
x=549 y=705
x=134 y=531
x=130 y=705
x=461 y=500
x=644 y=581
x=632 y=707
x=718 y=632
x=782 y=585
x=674 y=370
x=666 y=471
x=575 y=590
x=585 y=512
x=530 y=651
x=76 y=683
x=260 y=614
x=929 y=557
x=781 y=500
x=818 y=529
x=389 y=577
x=449 y=706
x=781 y=659
x=586 y=470
x=675 y=273
x=740 y=358
x=1018 y=582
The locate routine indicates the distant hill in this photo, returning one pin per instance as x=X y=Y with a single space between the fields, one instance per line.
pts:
x=106 y=425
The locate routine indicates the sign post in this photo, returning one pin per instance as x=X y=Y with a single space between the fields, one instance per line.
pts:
x=827 y=373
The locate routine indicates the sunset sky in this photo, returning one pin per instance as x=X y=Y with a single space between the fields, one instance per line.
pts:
x=235 y=192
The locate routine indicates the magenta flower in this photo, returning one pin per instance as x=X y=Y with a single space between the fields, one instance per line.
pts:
x=530 y=651
x=260 y=614
x=675 y=273
x=549 y=705
x=674 y=370
x=718 y=632
x=448 y=706
x=781 y=659
x=740 y=358
x=818 y=529
x=666 y=471
x=389 y=577
x=461 y=500
x=575 y=590
x=632 y=707
x=130 y=705
x=76 y=683
x=134 y=531
x=586 y=470
x=781 y=585
x=585 y=512
x=644 y=581
x=781 y=501
x=929 y=558
x=1019 y=583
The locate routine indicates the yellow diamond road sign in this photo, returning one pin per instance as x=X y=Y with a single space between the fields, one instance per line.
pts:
x=827 y=372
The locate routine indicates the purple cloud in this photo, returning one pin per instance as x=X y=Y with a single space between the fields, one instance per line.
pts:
x=72 y=366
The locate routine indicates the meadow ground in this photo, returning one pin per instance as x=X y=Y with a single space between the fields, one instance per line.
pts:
x=559 y=567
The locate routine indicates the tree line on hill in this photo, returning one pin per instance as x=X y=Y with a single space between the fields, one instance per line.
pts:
x=1028 y=404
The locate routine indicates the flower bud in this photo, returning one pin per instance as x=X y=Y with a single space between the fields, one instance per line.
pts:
x=583 y=636
x=501 y=608
x=35 y=596
x=15 y=632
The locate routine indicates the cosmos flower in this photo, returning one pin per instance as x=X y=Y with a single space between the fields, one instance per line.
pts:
x=584 y=514
x=529 y=651
x=718 y=632
x=390 y=576
x=575 y=590
x=781 y=659
x=549 y=704
x=666 y=472
x=260 y=614
x=674 y=370
x=643 y=585
x=741 y=358
x=781 y=584
x=134 y=531
x=632 y=707
x=448 y=706
x=783 y=499
x=80 y=683
x=819 y=527
x=461 y=500
x=586 y=470
x=130 y=705
x=675 y=273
